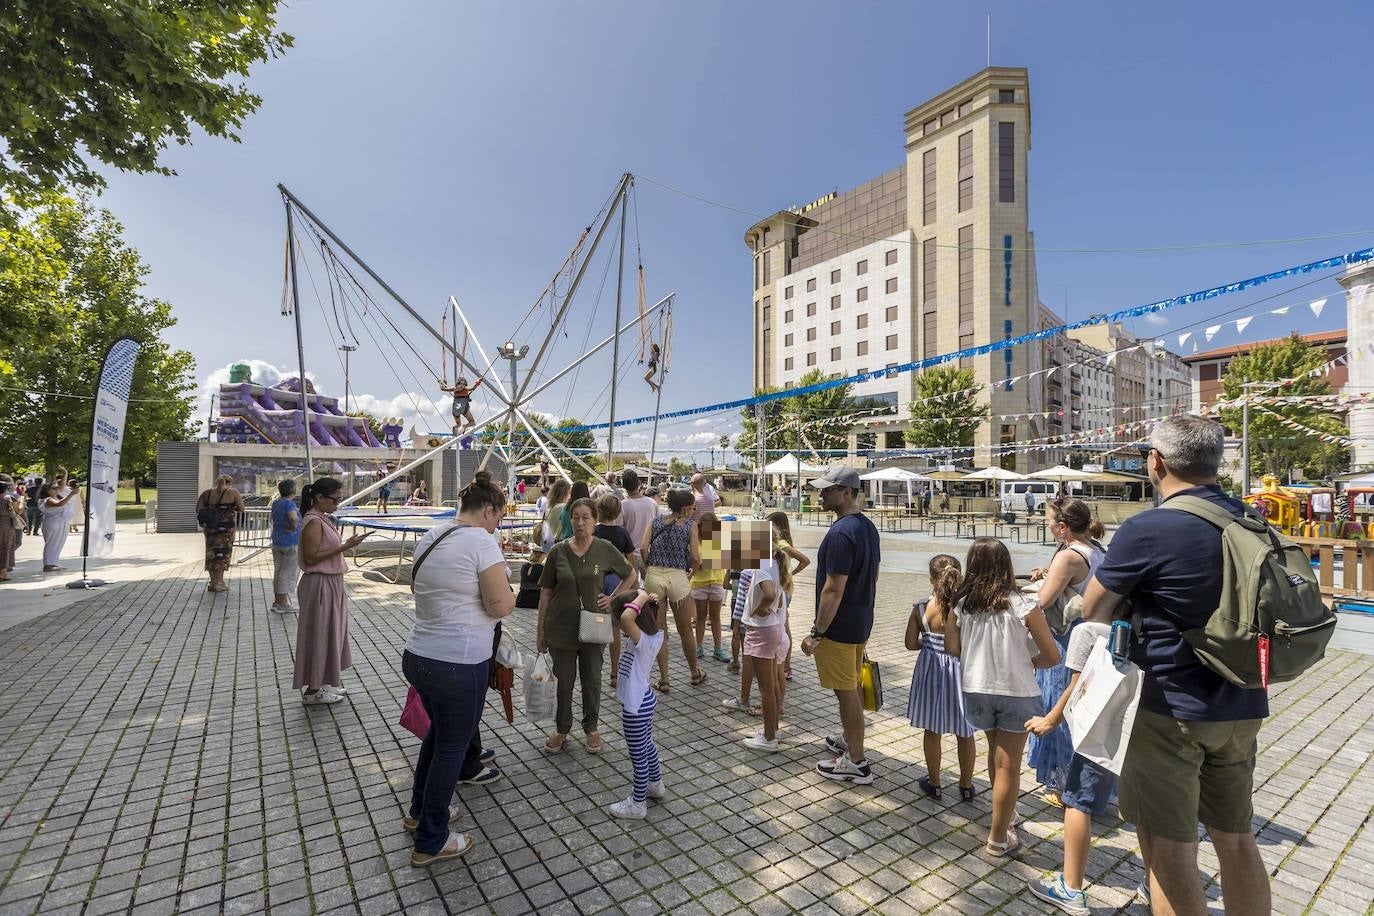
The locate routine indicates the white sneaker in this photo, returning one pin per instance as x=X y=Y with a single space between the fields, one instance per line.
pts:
x=657 y=790
x=320 y=698
x=339 y=692
x=282 y=609
x=631 y=809
x=757 y=742
x=734 y=705
x=846 y=770
x=836 y=745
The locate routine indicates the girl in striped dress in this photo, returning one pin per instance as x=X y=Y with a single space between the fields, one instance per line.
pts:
x=638 y=613
x=936 y=702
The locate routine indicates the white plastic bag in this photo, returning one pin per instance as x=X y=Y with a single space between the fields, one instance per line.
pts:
x=1101 y=711
x=541 y=688
x=508 y=655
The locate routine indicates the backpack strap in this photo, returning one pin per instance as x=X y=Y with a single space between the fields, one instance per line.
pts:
x=1218 y=516
x=415 y=567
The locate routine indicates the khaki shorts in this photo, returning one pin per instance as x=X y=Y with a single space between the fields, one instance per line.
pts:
x=670 y=583
x=1177 y=773
x=838 y=664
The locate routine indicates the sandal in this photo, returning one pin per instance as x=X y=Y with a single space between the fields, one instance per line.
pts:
x=456 y=845
x=734 y=668
x=663 y=687
x=595 y=744
x=1000 y=850
x=966 y=793
x=930 y=789
x=698 y=678
x=551 y=748
x=756 y=712
x=411 y=824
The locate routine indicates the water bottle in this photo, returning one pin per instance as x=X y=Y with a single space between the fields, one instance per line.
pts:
x=1119 y=642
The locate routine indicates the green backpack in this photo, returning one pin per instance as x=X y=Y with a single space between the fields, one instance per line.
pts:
x=1268 y=594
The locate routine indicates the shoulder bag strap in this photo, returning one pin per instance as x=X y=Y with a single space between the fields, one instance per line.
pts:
x=415 y=567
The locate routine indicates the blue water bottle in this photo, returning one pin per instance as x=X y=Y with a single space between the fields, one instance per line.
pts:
x=1119 y=642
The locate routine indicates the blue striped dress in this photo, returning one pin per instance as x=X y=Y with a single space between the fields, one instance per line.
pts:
x=936 y=701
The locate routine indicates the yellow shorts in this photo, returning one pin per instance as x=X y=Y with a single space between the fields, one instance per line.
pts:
x=670 y=583
x=838 y=664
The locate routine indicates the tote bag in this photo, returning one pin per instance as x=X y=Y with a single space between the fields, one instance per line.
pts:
x=1101 y=711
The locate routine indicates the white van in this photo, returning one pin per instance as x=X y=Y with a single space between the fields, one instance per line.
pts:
x=1014 y=492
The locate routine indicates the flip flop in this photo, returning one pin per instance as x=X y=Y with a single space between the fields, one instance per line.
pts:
x=595 y=744
x=698 y=678
x=663 y=687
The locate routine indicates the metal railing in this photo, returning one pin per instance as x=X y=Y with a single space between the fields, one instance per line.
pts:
x=150 y=516
x=253 y=527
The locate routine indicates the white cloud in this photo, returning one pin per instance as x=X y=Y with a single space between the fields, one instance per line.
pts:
x=704 y=421
x=1158 y=319
x=701 y=439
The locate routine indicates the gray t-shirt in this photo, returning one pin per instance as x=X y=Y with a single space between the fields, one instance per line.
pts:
x=1081 y=642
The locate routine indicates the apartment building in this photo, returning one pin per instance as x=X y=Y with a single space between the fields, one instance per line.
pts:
x=1092 y=387
x=1168 y=382
x=1130 y=378
x=1208 y=368
x=929 y=258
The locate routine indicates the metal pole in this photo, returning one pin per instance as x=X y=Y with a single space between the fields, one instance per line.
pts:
x=1245 y=440
x=510 y=429
x=300 y=340
x=658 y=402
x=666 y=300
x=347 y=351
x=615 y=346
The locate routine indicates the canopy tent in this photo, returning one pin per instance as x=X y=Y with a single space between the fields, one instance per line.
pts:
x=995 y=473
x=1062 y=473
x=1366 y=480
x=946 y=475
x=791 y=465
x=899 y=474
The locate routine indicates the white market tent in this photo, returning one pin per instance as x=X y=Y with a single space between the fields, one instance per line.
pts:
x=995 y=473
x=897 y=475
x=791 y=465
x=1062 y=473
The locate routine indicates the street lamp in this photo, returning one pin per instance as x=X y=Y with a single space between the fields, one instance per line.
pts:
x=347 y=349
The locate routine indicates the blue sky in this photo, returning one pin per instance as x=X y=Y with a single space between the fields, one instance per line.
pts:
x=460 y=148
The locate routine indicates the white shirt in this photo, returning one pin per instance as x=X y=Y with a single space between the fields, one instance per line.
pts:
x=1081 y=642
x=637 y=514
x=767 y=572
x=451 y=622
x=636 y=660
x=711 y=492
x=541 y=504
x=995 y=649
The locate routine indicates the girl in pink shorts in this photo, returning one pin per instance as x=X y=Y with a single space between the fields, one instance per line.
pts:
x=765 y=646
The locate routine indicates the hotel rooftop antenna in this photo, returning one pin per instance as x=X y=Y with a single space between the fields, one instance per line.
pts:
x=989 y=39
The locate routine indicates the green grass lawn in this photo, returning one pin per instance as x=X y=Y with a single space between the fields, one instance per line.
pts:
x=126 y=508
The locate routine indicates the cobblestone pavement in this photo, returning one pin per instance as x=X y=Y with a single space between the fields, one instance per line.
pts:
x=153 y=758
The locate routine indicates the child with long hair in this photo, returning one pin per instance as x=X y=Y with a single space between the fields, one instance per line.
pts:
x=782 y=538
x=992 y=631
x=708 y=585
x=765 y=645
x=638 y=613
x=936 y=700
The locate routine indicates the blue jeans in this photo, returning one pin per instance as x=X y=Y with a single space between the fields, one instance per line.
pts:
x=453 y=696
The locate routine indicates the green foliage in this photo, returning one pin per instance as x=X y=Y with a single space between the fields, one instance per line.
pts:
x=372 y=422
x=805 y=424
x=677 y=468
x=69 y=287
x=945 y=413
x=119 y=80
x=1274 y=447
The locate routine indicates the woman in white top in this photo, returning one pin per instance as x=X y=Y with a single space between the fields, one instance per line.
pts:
x=992 y=632
x=55 y=496
x=461 y=591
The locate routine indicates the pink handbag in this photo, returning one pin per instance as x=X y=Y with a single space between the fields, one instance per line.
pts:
x=414 y=719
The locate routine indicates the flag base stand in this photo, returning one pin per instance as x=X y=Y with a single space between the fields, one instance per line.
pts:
x=86 y=583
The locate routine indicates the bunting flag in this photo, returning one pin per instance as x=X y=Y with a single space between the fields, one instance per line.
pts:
x=1279 y=311
x=1307 y=430
x=1211 y=332
x=1316 y=305
x=1183 y=338
x=1243 y=323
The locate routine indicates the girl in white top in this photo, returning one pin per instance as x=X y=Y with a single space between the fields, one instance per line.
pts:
x=638 y=613
x=1000 y=639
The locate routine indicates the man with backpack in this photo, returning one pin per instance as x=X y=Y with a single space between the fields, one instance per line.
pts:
x=1192 y=750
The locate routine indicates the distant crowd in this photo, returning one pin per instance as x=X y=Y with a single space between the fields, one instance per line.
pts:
x=34 y=506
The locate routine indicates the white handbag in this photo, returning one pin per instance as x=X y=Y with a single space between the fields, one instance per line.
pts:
x=594 y=627
x=1101 y=711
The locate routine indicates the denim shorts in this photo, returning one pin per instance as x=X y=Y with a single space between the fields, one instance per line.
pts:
x=1088 y=787
x=996 y=712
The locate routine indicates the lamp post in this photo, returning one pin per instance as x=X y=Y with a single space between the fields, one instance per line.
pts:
x=347 y=349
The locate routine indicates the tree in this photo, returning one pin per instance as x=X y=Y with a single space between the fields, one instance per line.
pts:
x=72 y=285
x=1275 y=447
x=807 y=423
x=119 y=80
x=677 y=468
x=946 y=412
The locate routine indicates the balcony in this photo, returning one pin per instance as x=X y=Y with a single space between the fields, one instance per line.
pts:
x=1056 y=403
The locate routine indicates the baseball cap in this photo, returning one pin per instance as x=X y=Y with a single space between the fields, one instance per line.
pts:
x=841 y=475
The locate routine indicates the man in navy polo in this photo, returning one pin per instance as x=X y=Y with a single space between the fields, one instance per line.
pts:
x=1193 y=744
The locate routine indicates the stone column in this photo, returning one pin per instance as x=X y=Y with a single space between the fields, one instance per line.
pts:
x=1358 y=281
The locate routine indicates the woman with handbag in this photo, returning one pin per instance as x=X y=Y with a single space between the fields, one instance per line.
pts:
x=572 y=627
x=461 y=591
x=217 y=512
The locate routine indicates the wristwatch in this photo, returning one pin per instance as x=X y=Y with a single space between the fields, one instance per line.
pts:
x=816 y=634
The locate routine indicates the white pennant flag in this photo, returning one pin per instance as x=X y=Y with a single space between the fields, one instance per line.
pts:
x=1279 y=311
x=1357 y=293
x=1211 y=332
x=1316 y=305
x=1243 y=323
x=1111 y=358
x=1183 y=338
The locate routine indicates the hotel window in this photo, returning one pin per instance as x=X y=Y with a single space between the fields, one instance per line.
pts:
x=862 y=268
x=767 y=268
x=863 y=351
x=834 y=302
x=966 y=171
x=787 y=340
x=862 y=294
x=891 y=314
x=891 y=285
x=810 y=310
x=787 y=364
x=1006 y=162
x=811 y=285
x=861 y=322
x=787 y=316
x=787 y=293
x=892 y=341
x=931 y=126
x=1006 y=96
x=810 y=333
x=835 y=275
x=965 y=278
x=767 y=310
x=834 y=327
x=928 y=272
x=947 y=118
x=756 y=271
x=928 y=187
x=890 y=258
x=811 y=359
x=834 y=354
x=965 y=107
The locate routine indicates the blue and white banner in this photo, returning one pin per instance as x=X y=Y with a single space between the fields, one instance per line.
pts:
x=107 y=437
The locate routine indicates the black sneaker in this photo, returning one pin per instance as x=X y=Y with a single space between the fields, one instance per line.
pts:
x=482 y=777
x=487 y=755
x=842 y=769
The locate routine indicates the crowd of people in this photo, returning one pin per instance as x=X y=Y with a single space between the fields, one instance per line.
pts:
x=30 y=507
x=994 y=655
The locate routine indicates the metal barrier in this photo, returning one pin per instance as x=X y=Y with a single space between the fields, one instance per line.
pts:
x=150 y=516
x=253 y=527
x=1356 y=563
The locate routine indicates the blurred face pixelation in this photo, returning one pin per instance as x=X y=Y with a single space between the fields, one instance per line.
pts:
x=748 y=543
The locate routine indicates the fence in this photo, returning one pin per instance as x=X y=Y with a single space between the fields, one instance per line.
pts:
x=254 y=528
x=1354 y=558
